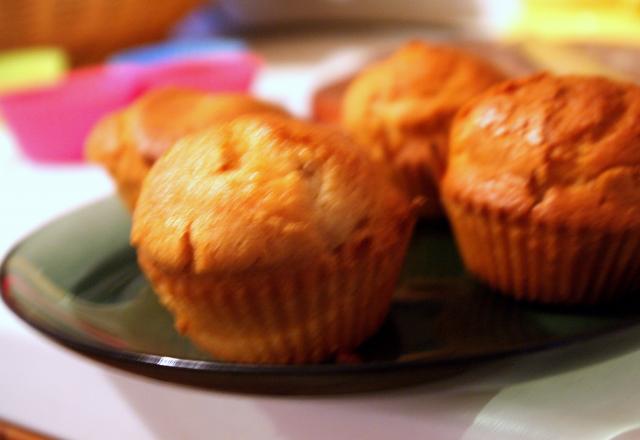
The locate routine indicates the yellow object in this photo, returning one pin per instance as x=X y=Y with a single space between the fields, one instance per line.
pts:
x=614 y=21
x=564 y=60
x=31 y=67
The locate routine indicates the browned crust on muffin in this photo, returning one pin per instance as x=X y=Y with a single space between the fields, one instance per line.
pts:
x=557 y=149
x=326 y=103
x=123 y=161
x=263 y=192
x=128 y=142
x=162 y=116
x=411 y=97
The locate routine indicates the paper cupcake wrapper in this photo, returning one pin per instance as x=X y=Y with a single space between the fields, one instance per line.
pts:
x=284 y=315
x=546 y=263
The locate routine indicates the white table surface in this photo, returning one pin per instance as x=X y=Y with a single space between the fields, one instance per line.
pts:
x=578 y=392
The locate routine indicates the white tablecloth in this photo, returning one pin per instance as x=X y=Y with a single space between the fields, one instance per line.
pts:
x=581 y=392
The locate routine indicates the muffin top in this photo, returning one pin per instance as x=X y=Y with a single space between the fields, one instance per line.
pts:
x=104 y=140
x=564 y=149
x=162 y=116
x=413 y=95
x=263 y=191
x=159 y=118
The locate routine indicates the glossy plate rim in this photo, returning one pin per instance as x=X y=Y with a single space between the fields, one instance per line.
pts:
x=111 y=355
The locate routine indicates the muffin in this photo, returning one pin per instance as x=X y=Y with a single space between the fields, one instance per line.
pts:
x=543 y=188
x=401 y=109
x=326 y=102
x=272 y=240
x=128 y=142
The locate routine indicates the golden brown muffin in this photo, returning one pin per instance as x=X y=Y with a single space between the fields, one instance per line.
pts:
x=128 y=142
x=326 y=102
x=272 y=240
x=543 y=188
x=402 y=106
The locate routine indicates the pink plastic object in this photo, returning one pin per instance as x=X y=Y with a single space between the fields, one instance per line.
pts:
x=218 y=73
x=52 y=123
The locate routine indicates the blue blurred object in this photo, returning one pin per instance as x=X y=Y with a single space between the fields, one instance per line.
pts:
x=178 y=49
x=205 y=22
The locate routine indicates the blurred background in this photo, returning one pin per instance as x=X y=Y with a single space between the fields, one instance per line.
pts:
x=53 y=50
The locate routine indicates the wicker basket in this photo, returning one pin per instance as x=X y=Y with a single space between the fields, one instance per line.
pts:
x=88 y=29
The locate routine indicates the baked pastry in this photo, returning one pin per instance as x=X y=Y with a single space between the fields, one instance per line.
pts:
x=326 y=103
x=272 y=240
x=128 y=142
x=543 y=188
x=402 y=106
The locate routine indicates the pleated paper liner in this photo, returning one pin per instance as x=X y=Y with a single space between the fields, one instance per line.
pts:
x=286 y=315
x=544 y=262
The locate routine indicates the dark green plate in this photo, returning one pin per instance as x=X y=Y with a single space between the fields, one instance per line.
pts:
x=77 y=281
